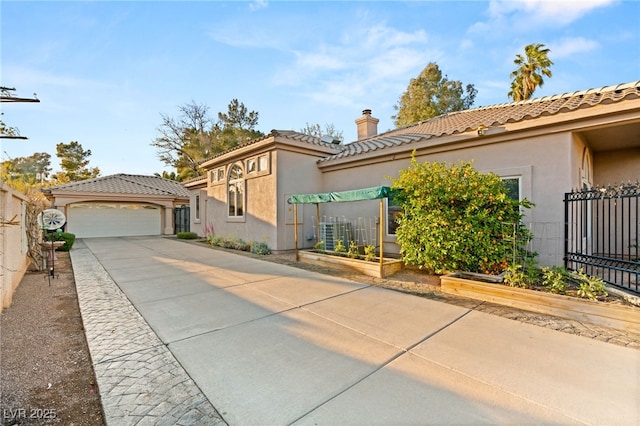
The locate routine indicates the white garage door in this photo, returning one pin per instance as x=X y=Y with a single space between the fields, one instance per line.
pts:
x=113 y=219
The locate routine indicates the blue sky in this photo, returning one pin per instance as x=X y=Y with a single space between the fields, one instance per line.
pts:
x=105 y=70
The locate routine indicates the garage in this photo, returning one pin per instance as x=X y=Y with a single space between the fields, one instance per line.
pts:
x=120 y=205
x=114 y=219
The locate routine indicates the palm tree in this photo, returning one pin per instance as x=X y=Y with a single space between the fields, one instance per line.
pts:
x=528 y=76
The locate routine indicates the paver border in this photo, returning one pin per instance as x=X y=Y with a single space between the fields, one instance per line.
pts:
x=139 y=379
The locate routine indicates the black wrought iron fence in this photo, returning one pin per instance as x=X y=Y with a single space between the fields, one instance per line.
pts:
x=601 y=234
x=181 y=219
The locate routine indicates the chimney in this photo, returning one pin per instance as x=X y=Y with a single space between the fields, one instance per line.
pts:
x=367 y=125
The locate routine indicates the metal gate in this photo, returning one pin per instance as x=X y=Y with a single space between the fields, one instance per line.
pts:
x=601 y=233
x=181 y=216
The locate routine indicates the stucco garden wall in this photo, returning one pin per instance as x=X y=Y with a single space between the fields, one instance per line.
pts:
x=13 y=258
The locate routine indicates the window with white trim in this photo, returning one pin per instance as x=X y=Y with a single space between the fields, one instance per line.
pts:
x=235 y=191
x=512 y=183
x=263 y=163
x=251 y=166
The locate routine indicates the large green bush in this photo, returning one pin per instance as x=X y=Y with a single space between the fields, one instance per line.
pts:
x=69 y=239
x=455 y=218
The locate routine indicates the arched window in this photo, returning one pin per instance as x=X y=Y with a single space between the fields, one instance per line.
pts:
x=235 y=192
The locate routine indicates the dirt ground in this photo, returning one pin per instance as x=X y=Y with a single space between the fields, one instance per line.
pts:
x=46 y=373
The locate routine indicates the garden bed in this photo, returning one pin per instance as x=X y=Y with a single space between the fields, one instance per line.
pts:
x=612 y=315
x=371 y=268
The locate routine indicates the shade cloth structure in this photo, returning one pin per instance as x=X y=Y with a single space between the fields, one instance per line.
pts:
x=373 y=193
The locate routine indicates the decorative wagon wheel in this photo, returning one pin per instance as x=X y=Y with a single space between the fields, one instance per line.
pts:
x=50 y=220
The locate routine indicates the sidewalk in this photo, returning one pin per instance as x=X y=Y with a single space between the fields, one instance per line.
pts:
x=269 y=344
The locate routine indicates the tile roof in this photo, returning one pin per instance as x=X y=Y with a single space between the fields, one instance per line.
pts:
x=125 y=184
x=494 y=115
x=198 y=180
x=289 y=134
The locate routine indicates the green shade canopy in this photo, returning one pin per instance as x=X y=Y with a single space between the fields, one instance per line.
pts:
x=342 y=196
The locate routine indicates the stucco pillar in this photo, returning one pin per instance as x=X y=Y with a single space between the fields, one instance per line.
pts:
x=168 y=221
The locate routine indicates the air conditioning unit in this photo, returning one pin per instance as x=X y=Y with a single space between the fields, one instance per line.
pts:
x=331 y=233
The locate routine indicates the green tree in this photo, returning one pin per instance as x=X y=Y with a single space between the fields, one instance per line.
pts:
x=74 y=161
x=429 y=95
x=531 y=67
x=235 y=127
x=318 y=131
x=168 y=175
x=184 y=142
x=455 y=218
x=32 y=169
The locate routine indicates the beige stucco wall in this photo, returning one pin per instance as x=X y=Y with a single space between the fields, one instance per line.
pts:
x=268 y=217
x=13 y=258
x=198 y=224
x=258 y=223
x=297 y=174
x=615 y=167
x=542 y=162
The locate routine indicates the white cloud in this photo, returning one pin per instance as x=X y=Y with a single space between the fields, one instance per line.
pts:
x=523 y=15
x=364 y=61
x=571 y=46
x=258 y=4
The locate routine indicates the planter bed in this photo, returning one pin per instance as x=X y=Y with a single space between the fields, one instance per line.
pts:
x=370 y=268
x=620 y=317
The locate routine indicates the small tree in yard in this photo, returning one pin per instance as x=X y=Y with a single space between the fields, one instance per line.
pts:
x=455 y=218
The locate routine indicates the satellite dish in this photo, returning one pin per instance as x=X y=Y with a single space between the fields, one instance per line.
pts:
x=51 y=219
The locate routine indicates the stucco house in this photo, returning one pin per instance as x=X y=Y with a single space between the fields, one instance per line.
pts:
x=119 y=205
x=544 y=147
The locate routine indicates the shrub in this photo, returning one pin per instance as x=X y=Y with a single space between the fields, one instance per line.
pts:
x=339 y=247
x=353 y=251
x=187 y=235
x=555 y=278
x=68 y=239
x=260 y=248
x=236 y=244
x=523 y=276
x=589 y=287
x=369 y=252
x=455 y=218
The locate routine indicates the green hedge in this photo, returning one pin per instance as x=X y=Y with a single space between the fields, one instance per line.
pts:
x=68 y=239
x=187 y=235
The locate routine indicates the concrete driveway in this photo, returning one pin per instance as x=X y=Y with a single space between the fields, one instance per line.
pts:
x=270 y=344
